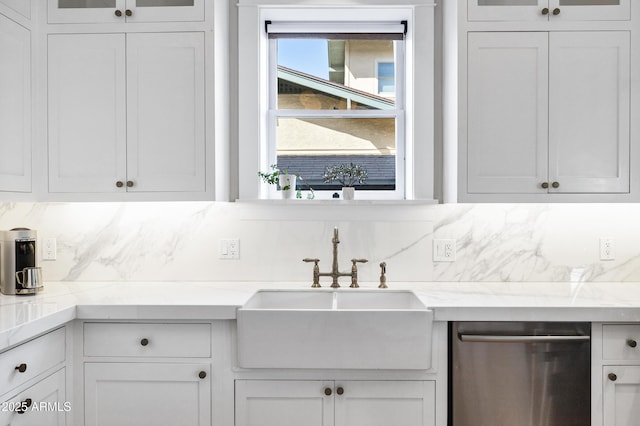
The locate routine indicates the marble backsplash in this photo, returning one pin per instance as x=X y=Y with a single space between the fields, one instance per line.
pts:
x=180 y=241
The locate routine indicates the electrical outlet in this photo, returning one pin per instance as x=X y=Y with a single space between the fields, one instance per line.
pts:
x=230 y=248
x=50 y=249
x=444 y=250
x=607 y=249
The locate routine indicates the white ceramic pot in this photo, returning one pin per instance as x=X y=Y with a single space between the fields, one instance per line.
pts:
x=348 y=192
x=290 y=182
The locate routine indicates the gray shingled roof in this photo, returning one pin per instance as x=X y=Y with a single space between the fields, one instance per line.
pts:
x=381 y=169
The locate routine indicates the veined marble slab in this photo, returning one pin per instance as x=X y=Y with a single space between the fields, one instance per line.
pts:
x=23 y=317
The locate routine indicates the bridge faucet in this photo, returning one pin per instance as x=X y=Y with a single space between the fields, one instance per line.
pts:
x=335 y=270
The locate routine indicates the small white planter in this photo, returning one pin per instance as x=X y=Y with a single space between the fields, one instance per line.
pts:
x=348 y=192
x=290 y=181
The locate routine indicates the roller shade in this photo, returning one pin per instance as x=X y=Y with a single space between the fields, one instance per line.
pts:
x=337 y=30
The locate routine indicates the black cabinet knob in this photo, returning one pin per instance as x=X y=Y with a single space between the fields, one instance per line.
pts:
x=144 y=342
x=612 y=377
x=202 y=374
x=21 y=368
x=632 y=343
x=327 y=391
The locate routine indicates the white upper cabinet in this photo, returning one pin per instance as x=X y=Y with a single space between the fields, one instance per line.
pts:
x=165 y=112
x=507 y=122
x=589 y=116
x=114 y=11
x=15 y=107
x=87 y=112
x=21 y=6
x=548 y=10
x=548 y=112
x=126 y=113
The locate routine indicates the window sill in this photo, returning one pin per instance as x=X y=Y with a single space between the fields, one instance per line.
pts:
x=315 y=202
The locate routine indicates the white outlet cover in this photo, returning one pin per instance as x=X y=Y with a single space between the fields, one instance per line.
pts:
x=444 y=250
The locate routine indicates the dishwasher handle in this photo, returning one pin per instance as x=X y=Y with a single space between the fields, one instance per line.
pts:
x=489 y=338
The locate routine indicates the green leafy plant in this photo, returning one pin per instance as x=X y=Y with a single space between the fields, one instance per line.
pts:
x=273 y=177
x=346 y=174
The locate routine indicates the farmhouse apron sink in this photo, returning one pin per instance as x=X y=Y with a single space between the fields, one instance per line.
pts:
x=334 y=329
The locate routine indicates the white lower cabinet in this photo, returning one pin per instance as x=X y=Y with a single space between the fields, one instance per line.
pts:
x=147 y=374
x=339 y=403
x=147 y=394
x=32 y=382
x=618 y=358
x=43 y=404
x=621 y=395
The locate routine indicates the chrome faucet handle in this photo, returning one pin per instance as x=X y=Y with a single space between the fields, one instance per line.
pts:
x=383 y=276
x=316 y=271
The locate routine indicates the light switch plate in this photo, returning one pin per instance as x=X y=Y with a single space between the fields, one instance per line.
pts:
x=230 y=248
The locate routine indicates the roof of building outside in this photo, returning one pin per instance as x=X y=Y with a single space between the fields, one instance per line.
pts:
x=381 y=169
x=335 y=89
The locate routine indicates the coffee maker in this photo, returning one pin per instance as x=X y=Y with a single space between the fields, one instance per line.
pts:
x=19 y=273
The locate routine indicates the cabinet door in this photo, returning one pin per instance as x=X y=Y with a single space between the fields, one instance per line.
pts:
x=85 y=11
x=507 y=102
x=377 y=403
x=589 y=116
x=165 y=10
x=100 y=11
x=507 y=10
x=44 y=404
x=554 y=11
x=284 y=403
x=590 y=10
x=15 y=107
x=165 y=112
x=87 y=129
x=147 y=394
x=621 y=392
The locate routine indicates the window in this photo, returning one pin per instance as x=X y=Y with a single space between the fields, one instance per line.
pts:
x=386 y=78
x=293 y=115
x=326 y=108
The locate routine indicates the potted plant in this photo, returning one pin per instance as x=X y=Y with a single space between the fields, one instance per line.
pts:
x=285 y=181
x=348 y=175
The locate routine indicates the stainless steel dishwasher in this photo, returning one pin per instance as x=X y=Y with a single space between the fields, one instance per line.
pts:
x=520 y=374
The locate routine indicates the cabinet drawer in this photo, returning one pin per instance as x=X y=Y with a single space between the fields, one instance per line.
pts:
x=621 y=341
x=30 y=359
x=44 y=403
x=147 y=340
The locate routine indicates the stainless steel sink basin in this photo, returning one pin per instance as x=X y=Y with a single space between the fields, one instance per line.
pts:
x=348 y=328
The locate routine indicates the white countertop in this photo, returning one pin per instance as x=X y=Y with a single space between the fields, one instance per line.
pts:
x=22 y=317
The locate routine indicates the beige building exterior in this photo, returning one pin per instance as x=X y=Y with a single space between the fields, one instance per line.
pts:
x=352 y=84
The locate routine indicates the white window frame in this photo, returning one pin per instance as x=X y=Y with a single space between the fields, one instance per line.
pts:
x=397 y=114
x=253 y=87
